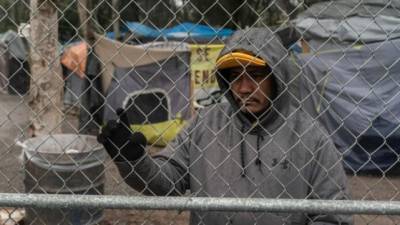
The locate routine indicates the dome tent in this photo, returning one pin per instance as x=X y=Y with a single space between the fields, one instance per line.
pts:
x=357 y=102
x=151 y=82
x=351 y=79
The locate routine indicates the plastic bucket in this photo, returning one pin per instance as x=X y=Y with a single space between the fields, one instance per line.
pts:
x=63 y=164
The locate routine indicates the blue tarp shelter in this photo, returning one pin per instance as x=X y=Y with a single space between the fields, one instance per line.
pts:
x=189 y=32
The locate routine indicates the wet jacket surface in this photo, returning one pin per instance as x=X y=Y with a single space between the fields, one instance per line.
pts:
x=222 y=154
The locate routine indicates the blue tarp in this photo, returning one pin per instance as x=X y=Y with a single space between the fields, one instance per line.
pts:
x=182 y=31
x=185 y=30
x=141 y=30
x=111 y=35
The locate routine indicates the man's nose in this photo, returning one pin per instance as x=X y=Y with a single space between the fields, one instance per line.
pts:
x=247 y=84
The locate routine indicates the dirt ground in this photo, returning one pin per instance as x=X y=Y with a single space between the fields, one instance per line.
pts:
x=14 y=115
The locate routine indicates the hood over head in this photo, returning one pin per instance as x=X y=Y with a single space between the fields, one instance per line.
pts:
x=265 y=45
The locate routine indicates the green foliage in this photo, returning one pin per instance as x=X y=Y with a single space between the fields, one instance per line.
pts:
x=12 y=13
x=221 y=13
x=69 y=20
x=159 y=13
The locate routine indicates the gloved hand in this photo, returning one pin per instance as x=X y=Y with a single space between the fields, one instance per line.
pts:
x=119 y=141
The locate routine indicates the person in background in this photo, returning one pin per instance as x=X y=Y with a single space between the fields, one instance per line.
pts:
x=258 y=144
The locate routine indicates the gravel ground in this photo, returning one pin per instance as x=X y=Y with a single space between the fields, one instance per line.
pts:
x=14 y=114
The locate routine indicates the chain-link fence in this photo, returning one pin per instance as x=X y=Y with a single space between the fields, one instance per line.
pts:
x=199 y=112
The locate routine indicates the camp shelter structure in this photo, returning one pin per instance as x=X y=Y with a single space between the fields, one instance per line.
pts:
x=184 y=32
x=14 y=71
x=351 y=78
x=151 y=82
x=355 y=95
x=343 y=24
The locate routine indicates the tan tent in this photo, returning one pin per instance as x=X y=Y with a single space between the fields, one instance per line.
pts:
x=116 y=54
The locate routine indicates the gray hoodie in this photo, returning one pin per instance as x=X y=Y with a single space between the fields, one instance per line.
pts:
x=220 y=153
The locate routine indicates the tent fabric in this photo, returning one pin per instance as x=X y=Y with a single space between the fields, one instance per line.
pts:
x=149 y=113
x=148 y=106
x=18 y=76
x=155 y=90
x=348 y=8
x=173 y=45
x=125 y=56
x=73 y=87
x=350 y=21
x=355 y=95
x=142 y=30
x=15 y=68
x=196 y=31
x=323 y=45
x=353 y=29
x=16 y=46
x=117 y=54
x=170 y=75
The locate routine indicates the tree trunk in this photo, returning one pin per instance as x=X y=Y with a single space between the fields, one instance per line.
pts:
x=85 y=18
x=115 y=5
x=47 y=84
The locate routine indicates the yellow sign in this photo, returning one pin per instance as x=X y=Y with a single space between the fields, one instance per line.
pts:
x=205 y=90
x=203 y=58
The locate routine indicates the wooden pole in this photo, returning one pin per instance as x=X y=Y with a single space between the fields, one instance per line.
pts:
x=47 y=83
x=115 y=4
x=84 y=7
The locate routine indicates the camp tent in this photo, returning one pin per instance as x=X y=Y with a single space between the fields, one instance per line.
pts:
x=356 y=97
x=151 y=82
x=197 y=59
x=14 y=77
x=345 y=23
x=205 y=43
x=351 y=82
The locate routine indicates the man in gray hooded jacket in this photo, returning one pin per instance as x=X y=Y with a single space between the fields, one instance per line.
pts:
x=259 y=144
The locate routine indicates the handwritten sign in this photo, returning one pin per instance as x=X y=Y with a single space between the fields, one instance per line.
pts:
x=204 y=83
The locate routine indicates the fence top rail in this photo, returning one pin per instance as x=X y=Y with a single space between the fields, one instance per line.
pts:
x=201 y=204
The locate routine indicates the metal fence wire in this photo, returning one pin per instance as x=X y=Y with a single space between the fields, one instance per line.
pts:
x=199 y=112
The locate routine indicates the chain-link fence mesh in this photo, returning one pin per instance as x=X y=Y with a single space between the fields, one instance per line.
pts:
x=236 y=112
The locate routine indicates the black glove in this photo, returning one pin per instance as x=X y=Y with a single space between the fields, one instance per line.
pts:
x=119 y=141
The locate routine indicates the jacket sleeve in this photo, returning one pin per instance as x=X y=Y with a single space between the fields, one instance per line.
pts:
x=166 y=173
x=328 y=181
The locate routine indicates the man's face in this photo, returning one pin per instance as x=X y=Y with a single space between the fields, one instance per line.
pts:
x=252 y=88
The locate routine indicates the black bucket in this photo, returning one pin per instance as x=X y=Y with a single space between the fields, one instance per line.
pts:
x=64 y=164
